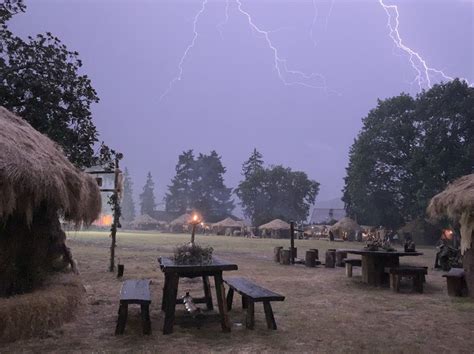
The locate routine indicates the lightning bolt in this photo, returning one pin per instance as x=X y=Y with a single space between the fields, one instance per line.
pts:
x=424 y=73
x=288 y=77
x=315 y=20
x=186 y=51
x=226 y=19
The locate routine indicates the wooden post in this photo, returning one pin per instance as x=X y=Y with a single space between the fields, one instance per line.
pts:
x=340 y=256
x=330 y=258
x=292 y=241
x=276 y=254
x=315 y=250
x=285 y=257
x=310 y=259
x=116 y=220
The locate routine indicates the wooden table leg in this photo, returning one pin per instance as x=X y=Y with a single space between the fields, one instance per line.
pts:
x=271 y=324
x=146 y=323
x=170 y=303
x=122 y=318
x=163 y=299
x=221 y=301
x=230 y=298
x=207 y=292
x=250 y=318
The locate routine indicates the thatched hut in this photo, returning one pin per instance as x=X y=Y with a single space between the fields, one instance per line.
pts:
x=145 y=222
x=228 y=227
x=181 y=223
x=457 y=203
x=275 y=229
x=346 y=228
x=421 y=231
x=37 y=186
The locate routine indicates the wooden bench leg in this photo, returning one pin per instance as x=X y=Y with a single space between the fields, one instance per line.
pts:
x=418 y=283
x=207 y=292
x=267 y=306
x=349 y=270
x=250 y=318
x=146 y=323
x=170 y=303
x=221 y=301
x=395 y=282
x=122 y=318
x=244 y=302
x=230 y=298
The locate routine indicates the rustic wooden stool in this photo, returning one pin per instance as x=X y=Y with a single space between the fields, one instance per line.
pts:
x=416 y=273
x=456 y=282
x=134 y=292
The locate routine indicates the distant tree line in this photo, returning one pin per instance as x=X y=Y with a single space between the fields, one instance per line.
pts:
x=409 y=148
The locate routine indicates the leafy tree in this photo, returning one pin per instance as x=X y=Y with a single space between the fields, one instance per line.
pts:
x=199 y=184
x=178 y=198
x=209 y=194
x=253 y=164
x=275 y=192
x=128 y=204
x=407 y=151
x=147 y=197
x=40 y=81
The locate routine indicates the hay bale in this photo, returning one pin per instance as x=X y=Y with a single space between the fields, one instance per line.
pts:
x=48 y=307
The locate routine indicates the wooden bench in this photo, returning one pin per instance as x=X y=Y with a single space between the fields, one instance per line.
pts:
x=350 y=263
x=134 y=292
x=416 y=273
x=252 y=293
x=456 y=282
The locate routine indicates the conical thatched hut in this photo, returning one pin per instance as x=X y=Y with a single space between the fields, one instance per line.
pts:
x=457 y=203
x=345 y=228
x=421 y=231
x=228 y=226
x=276 y=229
x=145 y=222
x=180 y=224
x=37 y=186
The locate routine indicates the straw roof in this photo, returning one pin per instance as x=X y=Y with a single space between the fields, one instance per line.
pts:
x=345 y=225
x=145 y=219
x=181 y=220
x=276 y=224
x=457 y=202
x=33 y=170
x=228 y=223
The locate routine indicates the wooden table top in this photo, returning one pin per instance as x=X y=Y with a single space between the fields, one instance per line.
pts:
x=168 y=265
x=383 y=253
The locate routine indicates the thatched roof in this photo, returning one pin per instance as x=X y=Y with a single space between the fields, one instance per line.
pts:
x=457 y=202
x=228 y=223
x=276 y=224
x=345 y=225
x=33 y=170
x=144 y=219
x=181 y=220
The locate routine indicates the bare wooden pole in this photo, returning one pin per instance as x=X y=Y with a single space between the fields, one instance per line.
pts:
x=116 y=219
x=292 y=241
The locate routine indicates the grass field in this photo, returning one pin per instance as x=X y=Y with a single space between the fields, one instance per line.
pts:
x=323 y=312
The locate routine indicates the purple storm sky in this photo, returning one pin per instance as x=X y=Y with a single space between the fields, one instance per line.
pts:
x=230 y=97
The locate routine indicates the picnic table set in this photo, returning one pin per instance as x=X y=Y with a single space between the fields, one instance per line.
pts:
x=192 y=260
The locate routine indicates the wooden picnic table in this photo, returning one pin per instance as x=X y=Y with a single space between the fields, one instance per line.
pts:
x=173 y=272
x=375 y=262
